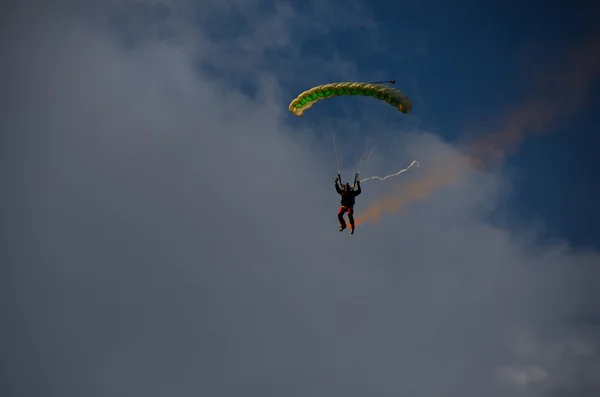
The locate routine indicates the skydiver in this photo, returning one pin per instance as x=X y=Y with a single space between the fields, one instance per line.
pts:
x=348 y=194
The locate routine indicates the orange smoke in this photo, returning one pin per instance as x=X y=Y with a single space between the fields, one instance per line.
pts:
x=569 y=91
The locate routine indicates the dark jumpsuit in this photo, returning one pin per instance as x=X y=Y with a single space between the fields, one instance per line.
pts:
x=347 y=205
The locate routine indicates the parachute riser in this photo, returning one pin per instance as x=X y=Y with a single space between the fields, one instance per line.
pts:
x=355 y=180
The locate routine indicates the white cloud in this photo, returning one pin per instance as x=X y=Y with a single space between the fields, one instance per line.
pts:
x=523 y=376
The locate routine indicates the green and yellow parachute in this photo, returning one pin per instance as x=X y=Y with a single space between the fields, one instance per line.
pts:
x=392 y=96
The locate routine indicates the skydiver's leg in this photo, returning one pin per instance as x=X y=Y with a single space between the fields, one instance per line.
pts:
x=351 y=217
x=341 y=213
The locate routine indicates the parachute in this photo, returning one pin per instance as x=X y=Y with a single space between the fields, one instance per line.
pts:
x=392 y=96
x=376 y=90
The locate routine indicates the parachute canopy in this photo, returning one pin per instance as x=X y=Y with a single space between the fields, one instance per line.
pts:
x=391 y=95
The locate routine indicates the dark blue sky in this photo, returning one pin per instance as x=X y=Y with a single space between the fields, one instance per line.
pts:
x=466 y=65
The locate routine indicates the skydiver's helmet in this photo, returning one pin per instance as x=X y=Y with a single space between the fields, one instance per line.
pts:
x=347 y=187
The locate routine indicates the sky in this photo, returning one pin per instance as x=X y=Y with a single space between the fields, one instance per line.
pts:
x=169 y=227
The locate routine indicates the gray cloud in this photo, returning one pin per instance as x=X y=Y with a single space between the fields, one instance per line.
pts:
x=168 y=235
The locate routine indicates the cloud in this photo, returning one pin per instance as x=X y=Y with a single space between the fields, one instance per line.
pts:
x=523 y=376
x=168 y=233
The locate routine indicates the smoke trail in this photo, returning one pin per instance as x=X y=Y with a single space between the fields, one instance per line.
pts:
x=570 y=90
x=445 y=171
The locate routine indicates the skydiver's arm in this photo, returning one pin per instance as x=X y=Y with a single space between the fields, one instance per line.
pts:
x=337 y=188
x=358 y=186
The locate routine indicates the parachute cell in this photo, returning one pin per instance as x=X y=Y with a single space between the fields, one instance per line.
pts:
x=392 y=96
